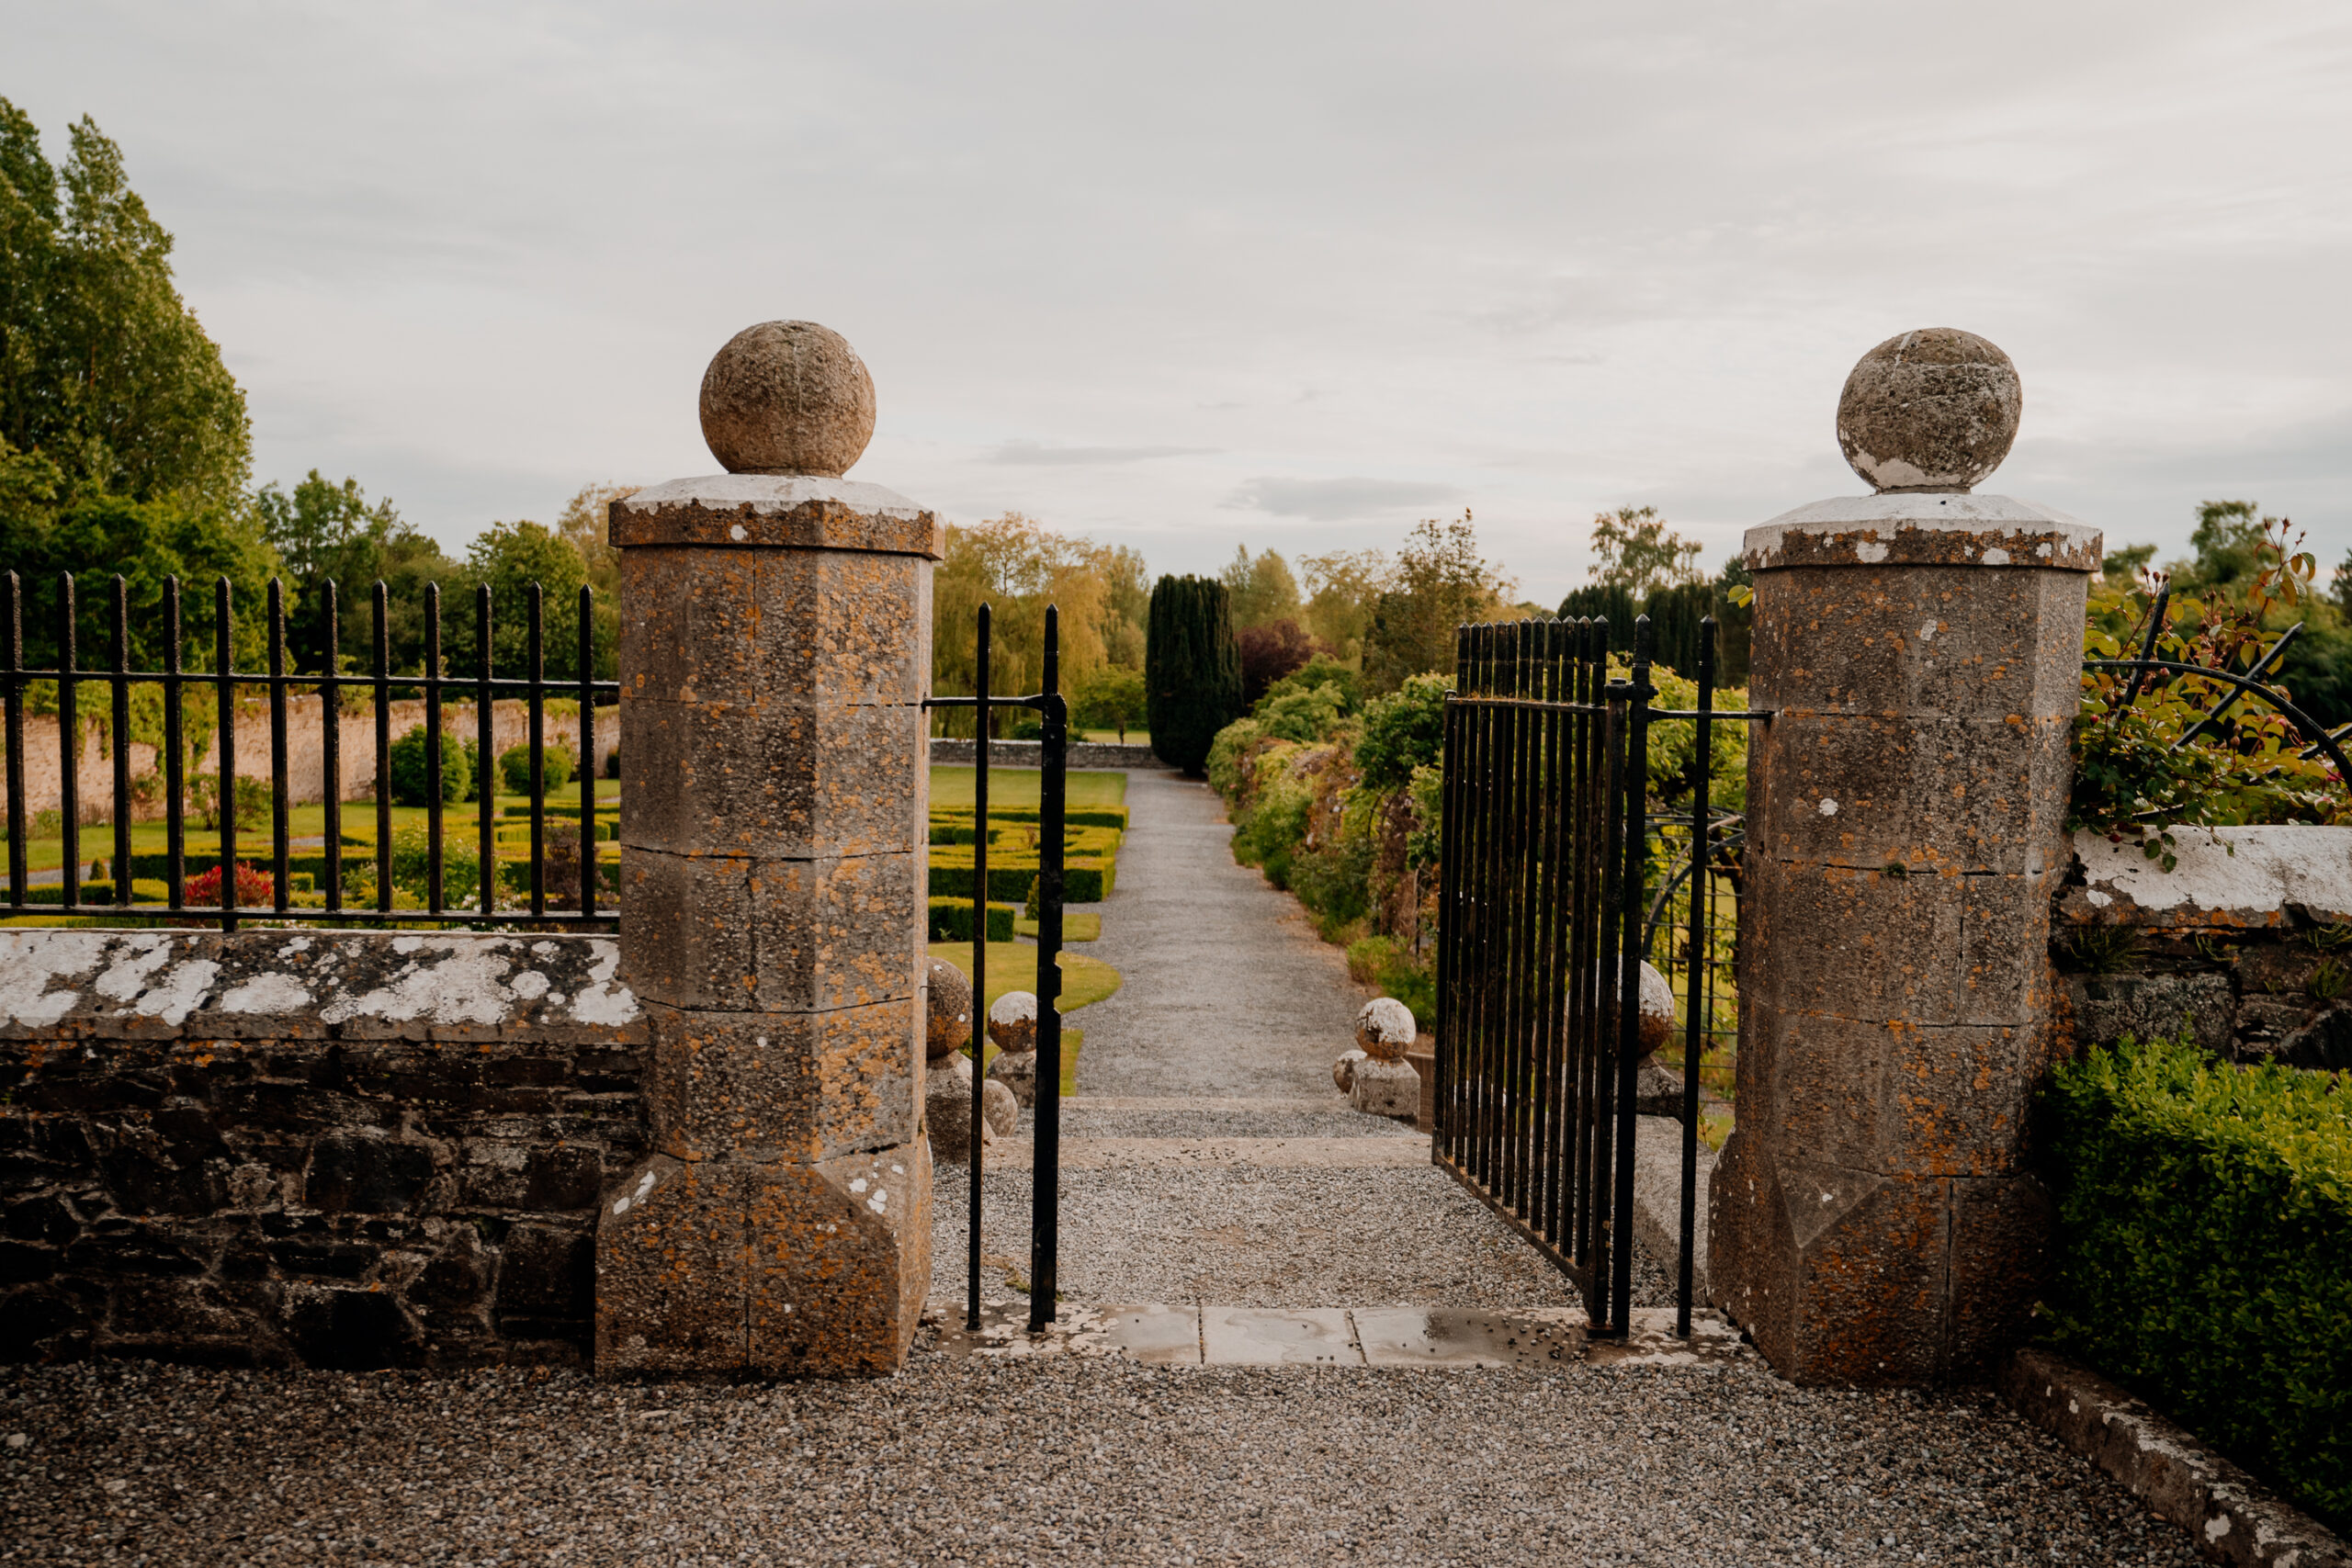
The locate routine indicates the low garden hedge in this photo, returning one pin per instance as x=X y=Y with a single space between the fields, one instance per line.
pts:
x=951 y=920
x=1087 y=880
x=1072 y=816
x=2204 y=1229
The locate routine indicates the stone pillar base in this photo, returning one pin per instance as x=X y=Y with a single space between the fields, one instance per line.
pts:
x=1844 y=1276
x=726 y=1268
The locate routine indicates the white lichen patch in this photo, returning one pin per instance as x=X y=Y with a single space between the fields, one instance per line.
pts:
x=180 y=993
x=601 y=1001
x=267 y=993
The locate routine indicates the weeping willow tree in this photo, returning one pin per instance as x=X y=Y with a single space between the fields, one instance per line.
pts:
x=1192 y=670
x=1017 y=567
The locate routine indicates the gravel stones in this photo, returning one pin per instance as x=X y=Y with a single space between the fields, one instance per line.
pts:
x=787 y=398
x=948 y=1024
x=1385 y=1029
x=1060 y=1461
x=1932 y=410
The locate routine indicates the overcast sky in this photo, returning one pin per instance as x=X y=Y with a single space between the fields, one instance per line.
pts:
x=1187 y=275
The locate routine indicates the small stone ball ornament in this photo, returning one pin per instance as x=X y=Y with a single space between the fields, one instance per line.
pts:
x=1012 y=1022
x=1657 y=1012
x=1932 y=410
x=1385 y=1029
x=1344 y=1071
x=948 y=1024
x=787 y=398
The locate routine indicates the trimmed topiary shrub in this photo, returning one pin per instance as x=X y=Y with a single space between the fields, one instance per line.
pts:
x=1192 y=670
x=2204 y=1221
x=557 y=765
x=406 y=764
x=951 y=920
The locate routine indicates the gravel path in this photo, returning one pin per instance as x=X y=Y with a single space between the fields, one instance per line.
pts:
x=1067 y=1462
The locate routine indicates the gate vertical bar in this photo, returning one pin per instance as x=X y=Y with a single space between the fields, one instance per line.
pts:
x=225 y=753
x=330 y=748
x=587 y=656
x=175 y=781
x=277 y=823
x=1629 y=979
x=537 y=655
x=1046 y=1181
x=1449 y=886
x=1584 y=945
x=485 y=754
x=1696 y=958
x=979 y=961
x=383 y=755
x=121 y=740
x=69 y=750
x=14 y=698
x=433 y=759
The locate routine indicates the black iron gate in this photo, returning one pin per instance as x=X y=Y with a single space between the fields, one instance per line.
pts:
x=1544 y=859
x=1053 y=709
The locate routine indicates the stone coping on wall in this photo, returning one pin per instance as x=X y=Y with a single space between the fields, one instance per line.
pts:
x=1927 y=529
x=1103 y=754
x=63 y=984
x=2224 y=879
x=791 y=510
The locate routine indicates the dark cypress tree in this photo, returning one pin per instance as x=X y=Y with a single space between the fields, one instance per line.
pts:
x=1192 y=670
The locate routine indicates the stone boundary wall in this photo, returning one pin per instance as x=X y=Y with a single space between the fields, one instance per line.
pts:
x=2247 y=942
x=306 y=767
x=945 y=752
x=326 y=1148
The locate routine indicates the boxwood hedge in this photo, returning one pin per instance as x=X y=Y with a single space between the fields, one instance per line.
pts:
x=2205 y=1225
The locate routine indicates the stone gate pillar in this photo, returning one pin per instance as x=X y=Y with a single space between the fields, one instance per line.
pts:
x=774 y=650
x=1870 y=1219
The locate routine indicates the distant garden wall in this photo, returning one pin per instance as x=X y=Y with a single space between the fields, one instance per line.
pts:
x=323 y=1148
x=305 y=749
x=947 y=752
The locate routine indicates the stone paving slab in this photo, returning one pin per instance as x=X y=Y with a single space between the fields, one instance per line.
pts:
x=1171 y=1154
x=1371 y=1338
x=1334 y=1102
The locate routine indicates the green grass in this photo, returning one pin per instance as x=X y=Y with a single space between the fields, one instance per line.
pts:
x=952 y=788
x=1013 y=967
x=303 y=823
x=1077 y=925
x=1111 y=737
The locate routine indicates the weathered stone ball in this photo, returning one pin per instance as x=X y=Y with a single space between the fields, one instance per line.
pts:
x=1012 y=1022
x=1385 y=1029
x=787 y=398
x=1656 y=1011
x=1000 y=1109
x=949 y=1023
x=1344 y=1071
x=1932 y=410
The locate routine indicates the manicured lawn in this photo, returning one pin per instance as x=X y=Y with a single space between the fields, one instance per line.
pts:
x=1077 y=925
x=1013 y=966
x=951 y=786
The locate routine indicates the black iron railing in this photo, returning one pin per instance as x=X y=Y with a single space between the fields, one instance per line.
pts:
x=1044 y=1212
x=484 y=903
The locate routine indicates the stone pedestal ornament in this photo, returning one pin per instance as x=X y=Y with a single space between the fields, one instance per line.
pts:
x=1379 y=1080
x=774 y=650
x=1658 y=1088
x=1919 y=649
x=1344 y=1071
x=1013 y=1029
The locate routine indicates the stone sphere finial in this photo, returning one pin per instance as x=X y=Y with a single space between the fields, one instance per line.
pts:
x=787 y=398
x=1932 y=410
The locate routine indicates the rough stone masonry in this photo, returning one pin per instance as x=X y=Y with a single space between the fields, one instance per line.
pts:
x=345 y=1149
x=1873 y=1218
x=776 y=649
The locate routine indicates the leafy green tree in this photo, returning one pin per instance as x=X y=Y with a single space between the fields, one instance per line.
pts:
x=2246 y=560
x=103 y=370
x=1260 y=589
x=1402 y=732
x=1110 y=699
x=1439 y=582
x=509 y=557
x=1192 y=670
x=1633 y=549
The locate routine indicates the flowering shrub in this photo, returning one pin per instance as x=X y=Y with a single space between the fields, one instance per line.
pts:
x=255 y=889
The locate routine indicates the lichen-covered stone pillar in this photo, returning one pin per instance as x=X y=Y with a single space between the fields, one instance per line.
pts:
x=774 y=652
x=1919 y=649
